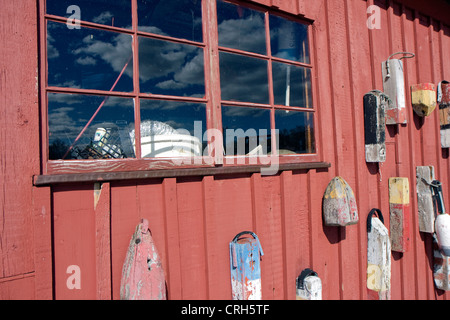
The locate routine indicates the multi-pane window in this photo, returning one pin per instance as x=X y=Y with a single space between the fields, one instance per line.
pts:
x=135 y=79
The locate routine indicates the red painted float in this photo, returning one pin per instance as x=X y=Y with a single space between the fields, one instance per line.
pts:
x=142 y=273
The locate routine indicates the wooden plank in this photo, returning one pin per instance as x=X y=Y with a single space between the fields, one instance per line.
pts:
x=172 y=241
x=19 y=138
x=428 y=130
x=412 y=276
x=43 y=261
x=102 y=239
x=298 y=231
x=268 y=226
x=322 y=239
x=290 y=246
x=359 y=59
x=75 y=268
x=192 y=239
x=18 y=287
x=124 y=216
x=344 y=125
x=41 y=180
x=223 y=220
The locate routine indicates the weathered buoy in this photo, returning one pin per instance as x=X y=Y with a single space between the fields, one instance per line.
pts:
x=375 y=104
x=142 y=273
x=424 y=176
x=394 y=88
x=245 y=255
x=339 y=204
x=442 y=221
x=423 y=98
x=378 y=257
x=443 y=100
x=443 y=232
x=441 y=267
x=400 y=215
x=309 y=286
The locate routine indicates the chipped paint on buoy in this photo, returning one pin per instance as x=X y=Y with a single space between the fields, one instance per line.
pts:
x=375 y=104
x=423 y=98
x=443 y=99
x=441 y=267
x=339 y=204
x=394 y=88
x=245 y=255
x=424 y=176
x=142 y=274
x=378 y=257
x=399 y=210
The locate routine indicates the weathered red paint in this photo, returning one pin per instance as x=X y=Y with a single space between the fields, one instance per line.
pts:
x=142 y=274
x=193 y=218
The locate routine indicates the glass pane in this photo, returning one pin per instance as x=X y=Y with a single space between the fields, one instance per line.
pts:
x=171 y=129
x=246 y=130
x=241 y=28
x=289 y=39
x=296 y=131
x=243 y=78
x=107 y=136
x=171 y=68
x=116 y=13
x=291 y=85
x=174 y=18
x=88 y=58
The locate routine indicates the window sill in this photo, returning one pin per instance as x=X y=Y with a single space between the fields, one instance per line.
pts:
x=50 y=179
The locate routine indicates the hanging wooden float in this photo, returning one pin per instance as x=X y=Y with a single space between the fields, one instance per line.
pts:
x=394 y=88
x=400 y=215
x=426 y=213
x=423 y=98
x=441 y=267
x=245 y=255
x=378 y=257
x=309 y=286
x=375 y=104
x=443 y=100
x=142 y=274
x=339 y=204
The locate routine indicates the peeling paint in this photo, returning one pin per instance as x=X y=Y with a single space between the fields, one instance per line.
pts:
x=142 y=274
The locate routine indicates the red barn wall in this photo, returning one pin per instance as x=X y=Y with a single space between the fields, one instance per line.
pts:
x=44 y=230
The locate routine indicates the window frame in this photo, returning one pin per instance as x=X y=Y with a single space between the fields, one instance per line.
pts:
x=212 y=98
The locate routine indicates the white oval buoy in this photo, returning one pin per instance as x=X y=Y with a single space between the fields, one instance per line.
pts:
x=443 y=232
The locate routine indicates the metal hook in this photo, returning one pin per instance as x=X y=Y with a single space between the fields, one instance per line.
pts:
x=406 y=55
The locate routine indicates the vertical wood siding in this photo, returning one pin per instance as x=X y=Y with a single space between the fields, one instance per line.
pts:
x=192 y=220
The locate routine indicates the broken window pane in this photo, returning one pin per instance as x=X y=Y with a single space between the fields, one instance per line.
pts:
x=241 y=28
x=172 y=129
x=171 y=68
x=246 y=131
x=289 y=39
x=243 y=78
x=107 y=135
x=291 y=85
x=296 y=131
x=88 y=58
x=174 y=18
x=115 y=13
